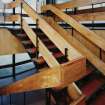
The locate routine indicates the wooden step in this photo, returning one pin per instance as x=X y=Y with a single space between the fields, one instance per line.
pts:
x=100 y=99
x=92 y=86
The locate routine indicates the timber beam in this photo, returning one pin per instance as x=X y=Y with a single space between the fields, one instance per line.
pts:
x=52 y=77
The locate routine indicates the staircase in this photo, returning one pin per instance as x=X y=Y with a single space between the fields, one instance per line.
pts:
x=91 y=84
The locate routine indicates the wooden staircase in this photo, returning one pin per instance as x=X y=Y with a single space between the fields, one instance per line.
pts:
x=60 y=57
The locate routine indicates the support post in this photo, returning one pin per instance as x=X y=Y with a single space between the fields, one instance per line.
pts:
x=14 y=12
x=48 y=96
x=14 y=69
x=21 y=16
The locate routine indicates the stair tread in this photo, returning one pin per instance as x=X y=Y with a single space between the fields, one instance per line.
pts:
x=100 y=100
x=58 y=54
x=92 y=86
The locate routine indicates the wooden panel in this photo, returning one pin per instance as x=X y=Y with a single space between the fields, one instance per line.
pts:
x=10 y=18
x=9 y=44
x=90 y=16
x=49 y=58
x=97 y=16
x=102 y=34
x=48 y=78
x=53 y=35
x=52 y=32
x=78 y=3
x=94 y=49
x=71 y=68
x=80 y=47
x=85 y=32
x=13 y=4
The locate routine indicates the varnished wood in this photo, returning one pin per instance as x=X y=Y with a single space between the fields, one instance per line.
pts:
x=74 y=4
x=96 y=16
x=10 y=18
x=48 y=78
x=49 y=58
x=42 y=24
x=99 y=64
x=88 y=44
x=85 y=32
x=53 y=35
x=13 y=4
x=9 y=44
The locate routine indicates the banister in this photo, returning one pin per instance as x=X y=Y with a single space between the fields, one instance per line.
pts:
x=74 y=4
x=42 y=23
x=85 y=32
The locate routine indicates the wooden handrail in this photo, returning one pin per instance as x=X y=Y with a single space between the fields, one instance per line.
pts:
x=51 y=34
x=99 y=64
x=96 y=16
x=11 y=18
x=51 y=77
x=85 y=32
x=74 y=4
x=49 y=58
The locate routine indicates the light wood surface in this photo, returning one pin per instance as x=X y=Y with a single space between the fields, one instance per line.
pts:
x=66 y=76
x=9 y=44
x=48 y=78
x=10 y=18
x=53 y=35
x=49 y=58
x=74 y=3
x=13 y=4
x=42 y=23
x=88 y=44
x=99 y=64
x=96 y=16
x=85 y=32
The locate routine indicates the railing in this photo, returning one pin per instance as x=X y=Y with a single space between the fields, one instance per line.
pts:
x=60 y=75
x=89 y=35
x=75 y=3
x=42 y=24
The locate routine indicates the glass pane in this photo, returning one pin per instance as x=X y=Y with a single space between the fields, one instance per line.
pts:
x=24 y=67
x=22 y=57
x=5 y=72
x=4 y=60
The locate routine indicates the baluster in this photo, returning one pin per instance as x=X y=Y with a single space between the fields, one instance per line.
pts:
x=2 y=100
x=14 y=69
x=24 y=98
x=10 y=99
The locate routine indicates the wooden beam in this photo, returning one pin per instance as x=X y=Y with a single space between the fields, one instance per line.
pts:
x=42 y=23
x=96 y=16
x=85 y=32
x=9 y=44
x=13 y=4
x=10 y=18
x=53 y=35
x=48 y=78
x=49 y=58
x=99 y=9
x=74 y=4
x=99 y=64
